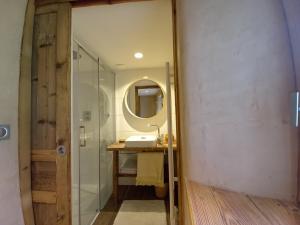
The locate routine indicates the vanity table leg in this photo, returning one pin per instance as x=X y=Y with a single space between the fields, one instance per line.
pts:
x=115 y=175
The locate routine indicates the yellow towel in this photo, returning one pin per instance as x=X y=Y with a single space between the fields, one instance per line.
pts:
x=150 y=169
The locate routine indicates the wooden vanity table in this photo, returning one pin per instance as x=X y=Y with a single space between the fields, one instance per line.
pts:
x=118 y=148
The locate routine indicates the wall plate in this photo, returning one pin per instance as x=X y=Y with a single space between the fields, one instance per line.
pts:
x=4 y=132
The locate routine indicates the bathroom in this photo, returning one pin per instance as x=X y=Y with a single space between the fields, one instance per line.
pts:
x=123 y=113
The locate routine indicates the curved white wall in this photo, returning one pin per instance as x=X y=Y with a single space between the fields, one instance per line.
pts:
x=11 y=28
x=237 y=75
x=292 y=9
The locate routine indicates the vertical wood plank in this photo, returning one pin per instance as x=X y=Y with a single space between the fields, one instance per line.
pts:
x=63 y=113
x=43 y=176
x=34 y=82
x=44 y=58
x=51 y=113
x=177 y=109
x=44 y=214
x=43 y=77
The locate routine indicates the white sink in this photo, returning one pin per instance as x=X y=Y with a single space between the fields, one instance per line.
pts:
x=140 y=141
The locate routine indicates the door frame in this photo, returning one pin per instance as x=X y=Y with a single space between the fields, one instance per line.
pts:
x=24 y=142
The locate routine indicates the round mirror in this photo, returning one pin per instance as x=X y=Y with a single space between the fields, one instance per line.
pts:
x=144 y=98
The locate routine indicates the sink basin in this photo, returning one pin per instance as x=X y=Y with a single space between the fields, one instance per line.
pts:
x=140 y=141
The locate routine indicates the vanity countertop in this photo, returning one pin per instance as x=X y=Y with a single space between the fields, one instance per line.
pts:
x=122 y=147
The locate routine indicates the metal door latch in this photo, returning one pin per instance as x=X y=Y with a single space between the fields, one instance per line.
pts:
x=61 y=150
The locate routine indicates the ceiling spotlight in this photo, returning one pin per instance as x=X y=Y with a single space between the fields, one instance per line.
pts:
x=138 y=55
x=145 y=77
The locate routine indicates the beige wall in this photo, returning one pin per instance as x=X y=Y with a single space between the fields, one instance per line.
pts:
x=11 y=28
x=292 y=9
x=237 y=76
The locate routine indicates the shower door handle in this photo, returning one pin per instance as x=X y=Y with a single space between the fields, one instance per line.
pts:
x=82 y=136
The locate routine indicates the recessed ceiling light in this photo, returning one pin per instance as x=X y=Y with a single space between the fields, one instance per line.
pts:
x=138 y=55
x=145 y=77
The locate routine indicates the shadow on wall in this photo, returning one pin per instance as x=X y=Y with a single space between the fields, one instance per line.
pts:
x=238 y=76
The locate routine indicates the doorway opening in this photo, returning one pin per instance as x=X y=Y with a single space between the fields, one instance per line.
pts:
x=123 y=115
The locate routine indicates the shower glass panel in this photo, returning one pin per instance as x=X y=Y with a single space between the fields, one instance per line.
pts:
x=107 y=131
x=89 y=137
x=93 y=129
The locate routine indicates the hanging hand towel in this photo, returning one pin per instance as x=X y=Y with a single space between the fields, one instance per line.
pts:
x=150 y=169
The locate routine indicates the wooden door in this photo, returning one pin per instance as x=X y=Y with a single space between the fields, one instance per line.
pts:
x=50 y=116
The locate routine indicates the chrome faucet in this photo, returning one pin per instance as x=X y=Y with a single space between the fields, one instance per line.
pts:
x=158 y=132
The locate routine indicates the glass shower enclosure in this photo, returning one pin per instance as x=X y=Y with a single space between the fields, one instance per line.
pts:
x=93 y=128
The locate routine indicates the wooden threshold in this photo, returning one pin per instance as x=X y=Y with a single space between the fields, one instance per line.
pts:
x=213 y=206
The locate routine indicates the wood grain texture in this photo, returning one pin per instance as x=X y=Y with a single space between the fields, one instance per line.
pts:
x=50 y=125
x=178 y=104
x=63 y=114
x=212 y=206
x=203 y=204
x=122 y=147
x=24 y=122
x=44 y=214
x=281 y=213
x=237 y=208
x=43 y=155
x=43 y=176
x=83 y=3
x=54 y=2
x=45 y=197
x=43 y=73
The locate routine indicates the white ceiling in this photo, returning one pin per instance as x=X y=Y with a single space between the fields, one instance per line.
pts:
x=116 y=32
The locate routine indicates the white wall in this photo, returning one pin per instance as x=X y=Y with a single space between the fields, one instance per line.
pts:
x=237 y=75
x=124 y=79
x=11 y=28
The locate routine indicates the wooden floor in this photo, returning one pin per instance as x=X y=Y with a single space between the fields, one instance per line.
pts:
x=109 y=213
x=212 y=206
